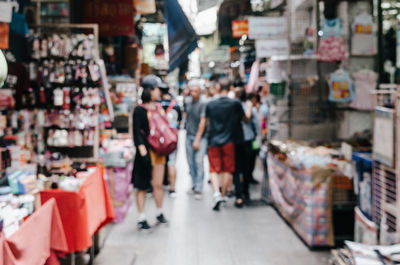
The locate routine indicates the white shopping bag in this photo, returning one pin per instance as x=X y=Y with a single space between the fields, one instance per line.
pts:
x=6 y=9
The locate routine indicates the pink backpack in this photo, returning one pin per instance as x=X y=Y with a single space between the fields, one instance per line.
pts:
x=162 y=138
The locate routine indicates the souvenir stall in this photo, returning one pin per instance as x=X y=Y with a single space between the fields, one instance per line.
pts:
x=50 y=137
x=312 y=190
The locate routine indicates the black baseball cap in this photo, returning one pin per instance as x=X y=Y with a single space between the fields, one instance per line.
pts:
x=151 y=81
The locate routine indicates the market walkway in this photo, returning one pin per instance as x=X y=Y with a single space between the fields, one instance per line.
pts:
x=199 y=236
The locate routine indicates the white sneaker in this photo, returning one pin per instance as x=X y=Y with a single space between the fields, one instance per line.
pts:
x=172 y=194
x=191 y=191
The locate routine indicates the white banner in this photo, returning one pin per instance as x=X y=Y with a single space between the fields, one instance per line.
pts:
x=267 y=27
x=269 y=48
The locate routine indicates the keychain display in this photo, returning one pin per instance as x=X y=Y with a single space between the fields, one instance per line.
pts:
x=68 y=81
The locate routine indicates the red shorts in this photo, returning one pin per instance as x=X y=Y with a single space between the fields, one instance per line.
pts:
x=222 y=158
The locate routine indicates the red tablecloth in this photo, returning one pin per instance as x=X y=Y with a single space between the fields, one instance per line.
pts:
x=37 y=240
x=85 y=212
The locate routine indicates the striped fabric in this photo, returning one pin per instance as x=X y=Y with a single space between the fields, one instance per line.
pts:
x=305 y=204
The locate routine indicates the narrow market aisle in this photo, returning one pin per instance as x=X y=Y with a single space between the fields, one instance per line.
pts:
x=197 y=235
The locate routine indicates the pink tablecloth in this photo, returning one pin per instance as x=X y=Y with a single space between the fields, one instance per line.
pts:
x=37 y=241
x=83 y=213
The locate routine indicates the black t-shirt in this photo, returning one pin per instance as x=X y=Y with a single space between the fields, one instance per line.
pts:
x=225 y=116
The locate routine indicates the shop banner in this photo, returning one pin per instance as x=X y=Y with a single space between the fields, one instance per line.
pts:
x=240 y=27
x=115 y=18
x=269 y=48
x=267 y=27
x=182 y=38
x=4 y=35
x=144 y=7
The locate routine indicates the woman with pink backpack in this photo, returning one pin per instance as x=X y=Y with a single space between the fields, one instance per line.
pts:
x=154 y=140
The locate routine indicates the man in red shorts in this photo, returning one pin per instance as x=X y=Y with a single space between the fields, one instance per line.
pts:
x=223 y=116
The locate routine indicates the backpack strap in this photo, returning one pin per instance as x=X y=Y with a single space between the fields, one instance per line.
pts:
x=171 y=106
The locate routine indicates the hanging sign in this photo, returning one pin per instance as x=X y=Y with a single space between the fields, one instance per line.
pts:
x=144 y=7
x=4 y=35
x=114 y=18
x=269 y=48
x=267 y=27
x=240 y=27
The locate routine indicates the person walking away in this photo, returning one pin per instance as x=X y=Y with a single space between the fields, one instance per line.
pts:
x=174 y=116
x=195 y=109
x=224 y=116
x=148 y=166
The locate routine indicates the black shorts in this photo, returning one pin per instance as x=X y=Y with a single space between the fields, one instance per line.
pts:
x=141 y=177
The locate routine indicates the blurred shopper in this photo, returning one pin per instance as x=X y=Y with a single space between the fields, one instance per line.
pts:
x=212 y=90
x=224 y=117
x=174 y=116
x=258 y=118
x=245 y=153
x=148 y=166
x=194 y=108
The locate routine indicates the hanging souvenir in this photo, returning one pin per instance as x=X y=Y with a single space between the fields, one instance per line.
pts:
x=341 y=87
x=331 y=46
x=331 y=27
x=365 y=81
x=363 y=41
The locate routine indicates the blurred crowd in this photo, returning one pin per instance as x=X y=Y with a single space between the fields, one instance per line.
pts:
x=222 y=120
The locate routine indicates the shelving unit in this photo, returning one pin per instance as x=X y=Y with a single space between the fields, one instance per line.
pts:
x=80 y=153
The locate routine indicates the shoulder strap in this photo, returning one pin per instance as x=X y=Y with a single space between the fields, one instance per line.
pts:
x=171 y=106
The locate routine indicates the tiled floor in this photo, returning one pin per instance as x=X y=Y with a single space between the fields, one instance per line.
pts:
x=197 y=235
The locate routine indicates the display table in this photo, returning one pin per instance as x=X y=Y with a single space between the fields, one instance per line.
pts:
x=85 y=212
x=38 y=239
x=304 y=201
